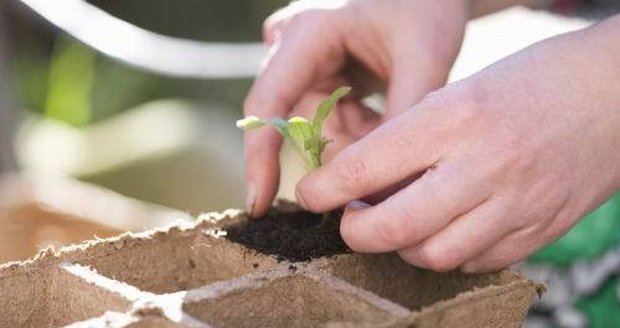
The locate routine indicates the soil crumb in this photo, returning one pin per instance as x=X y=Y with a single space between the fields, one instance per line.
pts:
x=292 y=236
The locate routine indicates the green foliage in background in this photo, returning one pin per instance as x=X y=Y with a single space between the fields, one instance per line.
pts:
x=70 y=83
x=603 y=309
x=115 y=87
x=40 y=55
x=590 y=238
x=28 y=74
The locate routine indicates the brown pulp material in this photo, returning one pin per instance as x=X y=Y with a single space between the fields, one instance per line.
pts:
x=190 y=276
x=292 y=236
x=37 y=211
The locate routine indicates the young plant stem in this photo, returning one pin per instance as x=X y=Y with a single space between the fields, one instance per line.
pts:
x=305 y=135
x=324 y=218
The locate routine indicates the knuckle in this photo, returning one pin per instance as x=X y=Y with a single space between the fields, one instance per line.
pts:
x=458 y=104
x=470 y=101
x=512 y=155
x=268 y=30
x=353 y=174
x=394 y=234
x=437 y=191
x=504 y=159
x=435 y=258
x=278 y=20
x=310 y=19
x=400 y=230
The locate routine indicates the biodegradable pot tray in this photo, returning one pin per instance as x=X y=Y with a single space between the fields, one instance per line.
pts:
x=192 y=276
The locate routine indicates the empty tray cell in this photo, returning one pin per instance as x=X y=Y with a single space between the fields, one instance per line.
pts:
x=53 y=297
x=289 y=301
x=181 y=260
x=24 y=300
x=122 y=320
x=153 y=322
x=389 y=276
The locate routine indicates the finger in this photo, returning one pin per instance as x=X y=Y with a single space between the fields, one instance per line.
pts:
x=291 y=68
x=416 y=212
x=411 y=79
x=276 y=22
x=287 y=74
x=279 y=20
x=273 y=26
x=350 y=122
x=392 y=152
x=382 y=195
x=271 y=32
x=529 y=234
x=512 y=249
x=466 y=237
x=262 y=170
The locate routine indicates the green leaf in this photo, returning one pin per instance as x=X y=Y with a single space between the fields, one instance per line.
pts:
x=300 y=131
x=250 y=123
x=303 y=137
x=326 y=106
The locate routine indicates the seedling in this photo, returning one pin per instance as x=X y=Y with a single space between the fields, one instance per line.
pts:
x=306 y=136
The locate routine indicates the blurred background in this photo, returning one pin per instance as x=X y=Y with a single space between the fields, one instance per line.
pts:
x=87 y=110
x=119 y=115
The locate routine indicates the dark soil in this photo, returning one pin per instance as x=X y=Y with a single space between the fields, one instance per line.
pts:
x=291 y=236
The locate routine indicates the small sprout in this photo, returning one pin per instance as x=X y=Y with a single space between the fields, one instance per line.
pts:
x=306 y=136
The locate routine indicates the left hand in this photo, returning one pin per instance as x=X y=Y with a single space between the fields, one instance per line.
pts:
x=497 y=165
x=317 y=46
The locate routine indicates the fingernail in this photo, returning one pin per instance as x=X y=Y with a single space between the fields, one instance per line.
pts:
x=250 y=200
x=358 y=205
x=468 y=268
x=300 y=199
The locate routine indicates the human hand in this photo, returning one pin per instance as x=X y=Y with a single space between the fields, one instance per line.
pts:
x=506 y=161
x=317 y=46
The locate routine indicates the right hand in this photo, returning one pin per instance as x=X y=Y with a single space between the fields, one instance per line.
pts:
x=317 y=46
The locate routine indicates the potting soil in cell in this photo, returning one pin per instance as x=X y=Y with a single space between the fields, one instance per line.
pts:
x=292 y=236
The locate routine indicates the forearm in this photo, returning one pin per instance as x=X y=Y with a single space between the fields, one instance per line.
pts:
x=600 y=43
x=607 y=34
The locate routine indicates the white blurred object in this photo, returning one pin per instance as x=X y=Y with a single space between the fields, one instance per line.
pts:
x=493 y=37
x=487 y=40
x=177 y=153
x=55 y=193
x=147 y=50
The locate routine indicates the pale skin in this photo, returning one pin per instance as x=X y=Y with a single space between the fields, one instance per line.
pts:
x=475 y=175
